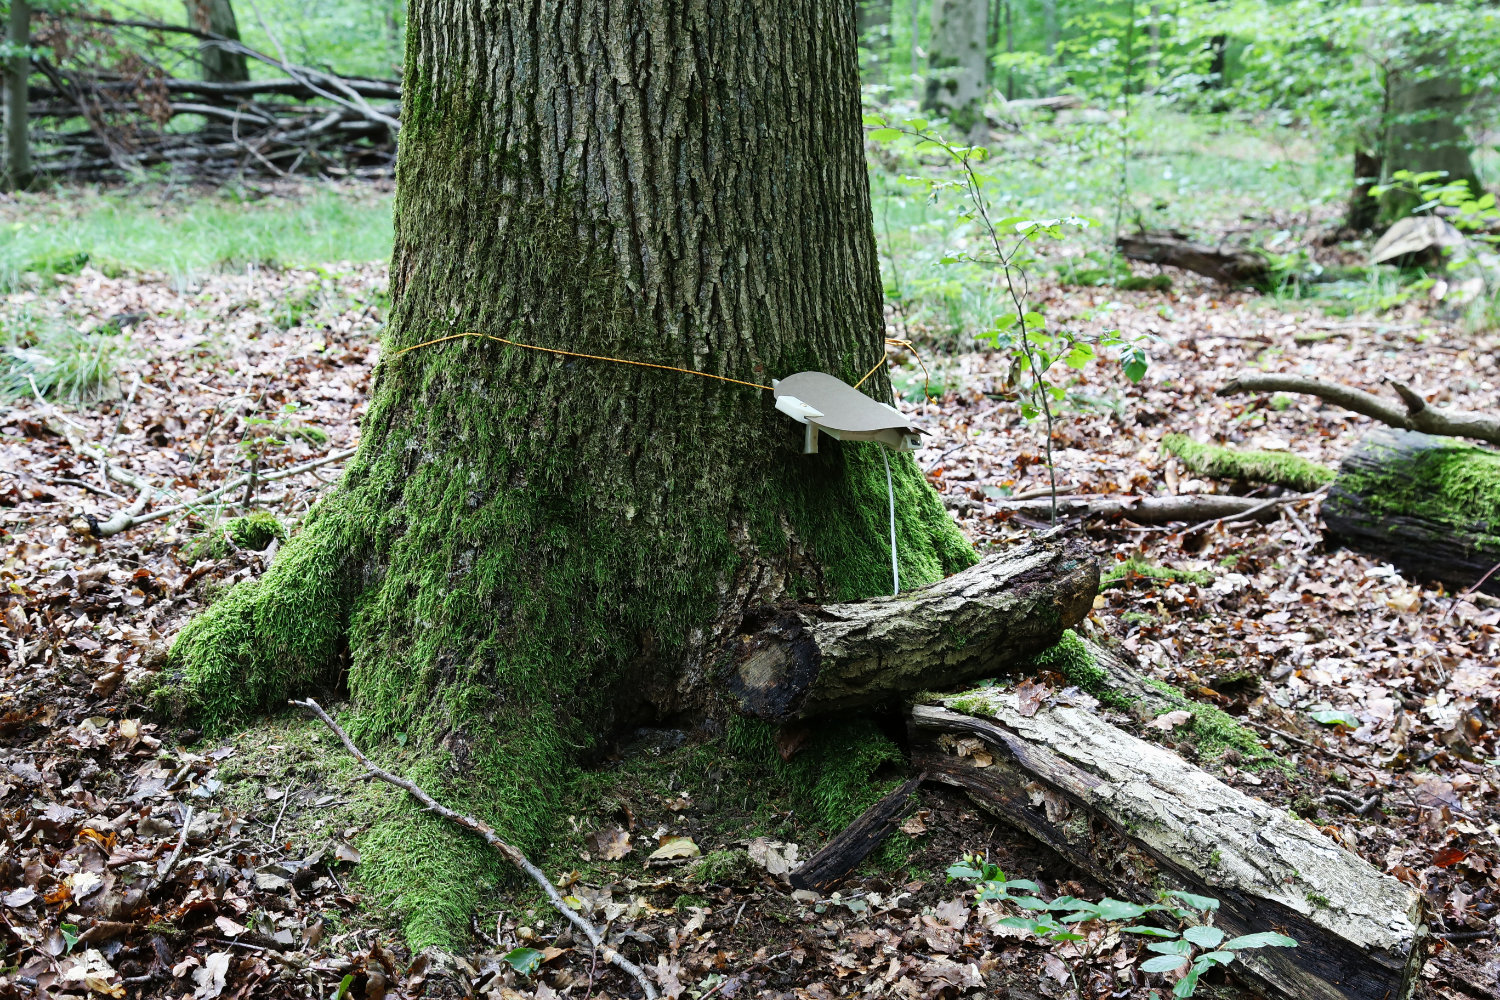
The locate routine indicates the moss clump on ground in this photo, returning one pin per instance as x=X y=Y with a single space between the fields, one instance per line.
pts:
x=1279 y=467
x=1136 y=567
x=254 y=531
x=1447 y=483
x=834 y=777
x=1215 y=732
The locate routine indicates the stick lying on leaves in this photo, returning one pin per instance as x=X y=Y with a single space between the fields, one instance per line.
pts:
x=510 y=853
x=1417 y=415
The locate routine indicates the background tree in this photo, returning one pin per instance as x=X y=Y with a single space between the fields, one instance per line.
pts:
x=529 y=550
x=957 y=64
x=17 y=172
x=220 y=65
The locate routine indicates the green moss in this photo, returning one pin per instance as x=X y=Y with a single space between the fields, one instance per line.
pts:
x=1215 y=732
x=732 y=867
x=1279 y=467
x=1448 y=483
x=1071 y=658
x=834 y=777
x=1137 y=568
x=254 y=531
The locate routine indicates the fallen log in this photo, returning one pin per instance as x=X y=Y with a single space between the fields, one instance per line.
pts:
x=1192 y=508
x=794 y=661
x=1427 y=505
x=1137 y=817
x=1414 y=415
x=1226 y=265
x=844 y=853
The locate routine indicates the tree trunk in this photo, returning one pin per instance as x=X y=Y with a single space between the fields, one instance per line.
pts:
x=17 y=144
x=1425 y=129
x=1428 y=505
x=1364 y=208
x=956 y=64
x=531 y=550
x=874 y=23
x=217 y=17
x=1225 y=264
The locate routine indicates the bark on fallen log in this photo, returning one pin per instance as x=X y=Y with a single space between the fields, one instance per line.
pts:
x=1414 y=415
x=1226 y=265
x=844 y=853
x=1136 y=816
x=795 y=661
x=1427 y=505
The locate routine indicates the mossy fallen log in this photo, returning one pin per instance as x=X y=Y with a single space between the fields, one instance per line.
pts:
x=1227 y=265
x=794 y=661
x=1281 y=468
x=1138 y=818
x=1428 y=505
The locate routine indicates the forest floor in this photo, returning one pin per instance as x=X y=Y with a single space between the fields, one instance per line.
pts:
x=142 y=861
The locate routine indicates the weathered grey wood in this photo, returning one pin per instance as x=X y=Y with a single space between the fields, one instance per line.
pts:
x=843 y=853
x=1366 y=512
x=1137 y=816
x=794 y=661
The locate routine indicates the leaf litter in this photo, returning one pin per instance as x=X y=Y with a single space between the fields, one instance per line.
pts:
x=126 y=871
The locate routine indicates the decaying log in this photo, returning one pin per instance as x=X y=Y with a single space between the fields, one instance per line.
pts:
x=1414 y=415
x=1136 y=816
x=843 y=853
x=1226 y=265
x=1428 y=505
x=795 y=661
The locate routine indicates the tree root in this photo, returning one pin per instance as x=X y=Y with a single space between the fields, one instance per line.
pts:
x=1417 y=415
x=507 y=851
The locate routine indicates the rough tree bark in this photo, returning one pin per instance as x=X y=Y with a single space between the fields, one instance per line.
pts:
x=1425 y=129
x=217 y=17
x=531 y=550
x=957 y=64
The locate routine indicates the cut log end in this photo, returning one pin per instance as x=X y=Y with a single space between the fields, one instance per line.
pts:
x=797 y=661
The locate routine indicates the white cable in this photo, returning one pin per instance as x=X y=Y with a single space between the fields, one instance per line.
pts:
x=891 y=492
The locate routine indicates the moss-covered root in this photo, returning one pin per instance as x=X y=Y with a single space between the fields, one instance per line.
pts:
x=1279 y=467
x=270 y=637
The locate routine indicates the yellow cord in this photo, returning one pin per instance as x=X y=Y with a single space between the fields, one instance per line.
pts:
x=646 y=364
x=575 y=354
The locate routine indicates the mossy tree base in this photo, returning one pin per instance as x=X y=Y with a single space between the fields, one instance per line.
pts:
x=1428 y=505
x=530 y=552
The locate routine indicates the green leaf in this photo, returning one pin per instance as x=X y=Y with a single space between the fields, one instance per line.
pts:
x=1215 y=958
x=1135 y=366
x=1187 y=985
x=874 y=119
x=963 y=871
x=1019 y=923
x=1204 y=903
x=1331 y=717
x=1204 y=936
x=1070 y=903
x=523 y=960
x=1260 y=939
x=1022 y=883
x=884 y=134
x=344 y=986
x=1079 y=356
x=1148 y=931
x=1169 y=947
x=1164 y=963
x=1034 y=321
x=916 y=124
x=1029 y=903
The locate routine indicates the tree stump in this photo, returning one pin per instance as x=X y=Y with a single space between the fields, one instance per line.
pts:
x=1428 y=505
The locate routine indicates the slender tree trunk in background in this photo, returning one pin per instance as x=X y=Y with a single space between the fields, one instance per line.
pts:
x=1050 y=27
x=17 y=173
x=1425 y=129
x=1364 y=209
x=531 y=551
x=874 y=25
x=1010 y=50
x=217 y=17
x=956 y=64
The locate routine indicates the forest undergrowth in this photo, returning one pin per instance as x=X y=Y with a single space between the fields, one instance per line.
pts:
x=1370 y=685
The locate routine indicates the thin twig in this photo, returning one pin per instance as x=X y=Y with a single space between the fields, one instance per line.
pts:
x=285 y=798
x=484 y=830
x=187 y=821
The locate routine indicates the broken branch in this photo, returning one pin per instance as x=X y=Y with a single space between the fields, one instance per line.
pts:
x=1415 y=416
x=485 y=831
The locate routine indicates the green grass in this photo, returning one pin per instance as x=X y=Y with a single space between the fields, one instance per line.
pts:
x=63 y=364
x=187 y=233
